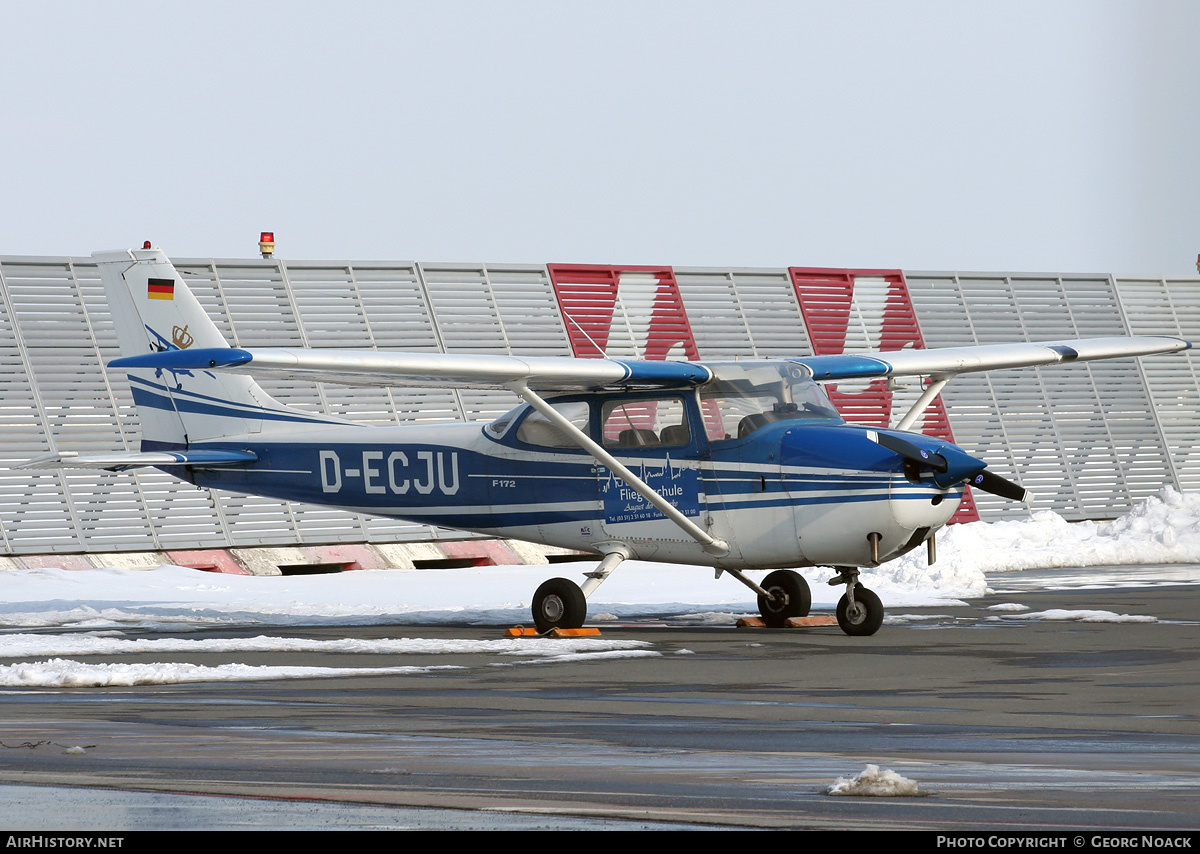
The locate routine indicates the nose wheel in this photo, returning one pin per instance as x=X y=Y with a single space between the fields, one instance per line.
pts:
x=859 y=611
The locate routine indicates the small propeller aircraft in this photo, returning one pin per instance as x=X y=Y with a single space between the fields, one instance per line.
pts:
x=737 y=466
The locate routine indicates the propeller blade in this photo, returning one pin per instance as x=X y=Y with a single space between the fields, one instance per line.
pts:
x=952 y=466
x=998 y=485
x=903 y=447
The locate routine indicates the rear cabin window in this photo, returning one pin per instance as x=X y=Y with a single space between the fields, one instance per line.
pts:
x=644 y=423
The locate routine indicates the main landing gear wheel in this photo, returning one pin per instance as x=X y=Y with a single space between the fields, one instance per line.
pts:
x=790 y=597
x=559 y=604
x=865 y=617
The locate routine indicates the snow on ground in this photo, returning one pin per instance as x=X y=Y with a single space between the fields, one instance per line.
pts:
x=56 y=672
x=98 y=606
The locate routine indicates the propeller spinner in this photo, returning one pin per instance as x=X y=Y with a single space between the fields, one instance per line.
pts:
x=952 y=466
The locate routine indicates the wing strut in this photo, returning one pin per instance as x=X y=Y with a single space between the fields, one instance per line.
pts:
x=926 y=398
x=712 y=545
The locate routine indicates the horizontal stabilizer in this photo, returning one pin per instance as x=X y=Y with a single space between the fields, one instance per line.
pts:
x=119 y=461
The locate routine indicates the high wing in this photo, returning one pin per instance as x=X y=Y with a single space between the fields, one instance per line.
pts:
x=950 y=361
x=370 y=367
x=432 y=370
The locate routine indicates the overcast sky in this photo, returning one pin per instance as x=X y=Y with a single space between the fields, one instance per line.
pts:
x=1024 y=136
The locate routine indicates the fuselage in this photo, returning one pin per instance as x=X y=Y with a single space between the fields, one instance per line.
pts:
x=783 y=488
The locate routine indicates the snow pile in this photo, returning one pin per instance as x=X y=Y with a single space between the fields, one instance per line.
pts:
x=873 y=783
x=58 y=672
x=174 y=598
x=42 y=645
x=1162 y=529
x=61 y=673
x=1061 y=615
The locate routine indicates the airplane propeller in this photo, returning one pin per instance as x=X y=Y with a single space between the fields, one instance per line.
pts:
x=952 y=466
x=1003 y=487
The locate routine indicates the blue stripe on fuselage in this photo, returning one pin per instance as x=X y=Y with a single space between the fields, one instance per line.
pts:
x=154 y=396
x=463 y=487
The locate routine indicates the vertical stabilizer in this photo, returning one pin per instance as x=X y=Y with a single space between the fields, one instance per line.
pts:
x=154 y=310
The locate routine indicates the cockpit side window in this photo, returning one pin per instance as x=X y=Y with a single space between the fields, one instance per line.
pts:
x=496 y=429
x=744 y=398
x=536 y=429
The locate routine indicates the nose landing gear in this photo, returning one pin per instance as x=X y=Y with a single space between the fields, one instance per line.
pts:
x=859 y=611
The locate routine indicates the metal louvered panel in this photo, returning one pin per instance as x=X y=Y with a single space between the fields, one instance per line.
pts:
x=330 y=313
x=318 y=306
x=947 y=308
x=464 y=308
x=109 y=511
x=1170 y=307
x=623 y=312
x=397 y=311
x=528 y=310
x=34 y=508
x=1089 y=439
x=57 y=383
x=261 y=308
x=848 y=313
x=586 y=297
x=328 y=307
x=528 y=314
x=942 y=308
x=772 y=313
x=262 y=313
x=738 y=313
x=851 y=311
x=76 y=406
x=468 y=320
x=716 y=315
x=1082 y=438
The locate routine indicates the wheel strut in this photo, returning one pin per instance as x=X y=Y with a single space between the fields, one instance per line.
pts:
x=603 y=570
x=562 y=604
x=847 y=575
x=859 y=611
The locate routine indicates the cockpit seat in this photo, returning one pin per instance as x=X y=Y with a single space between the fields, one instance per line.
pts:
x=636 y=438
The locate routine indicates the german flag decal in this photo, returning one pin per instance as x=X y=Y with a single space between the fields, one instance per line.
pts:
x=161 y=289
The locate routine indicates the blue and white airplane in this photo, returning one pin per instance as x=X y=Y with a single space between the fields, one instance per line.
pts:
x=737 y=466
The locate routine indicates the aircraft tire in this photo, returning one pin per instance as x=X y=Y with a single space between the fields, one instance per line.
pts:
x=867 y=616
x=559 y=604
x=797 y=601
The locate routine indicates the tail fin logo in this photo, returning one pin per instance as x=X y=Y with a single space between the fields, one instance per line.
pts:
x=160 y=288
x=181 y=338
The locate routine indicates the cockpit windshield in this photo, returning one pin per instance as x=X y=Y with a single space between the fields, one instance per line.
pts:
x=742 y=398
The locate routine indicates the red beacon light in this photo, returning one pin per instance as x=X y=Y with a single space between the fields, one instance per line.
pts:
x=145 y=244
x=266 y=243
